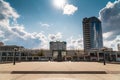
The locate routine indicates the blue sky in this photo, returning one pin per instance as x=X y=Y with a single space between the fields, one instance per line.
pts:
x=45 y=18
x=32 y=12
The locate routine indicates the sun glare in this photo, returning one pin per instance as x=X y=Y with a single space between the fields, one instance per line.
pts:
x=59 y=3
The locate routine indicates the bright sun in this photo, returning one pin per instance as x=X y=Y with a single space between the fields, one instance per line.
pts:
x=59 y=3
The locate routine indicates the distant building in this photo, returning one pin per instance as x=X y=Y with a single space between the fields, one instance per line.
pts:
x=118 y=47
x=58 y=50
x=10 y=47
x=58 y=45
x=92 y=33
x=1 y=44
x=107 y=49
x=7 y=52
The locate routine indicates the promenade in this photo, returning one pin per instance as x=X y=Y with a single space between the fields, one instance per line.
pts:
x=59 y=71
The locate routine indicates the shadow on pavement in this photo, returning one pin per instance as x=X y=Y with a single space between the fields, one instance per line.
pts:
x=58 y=72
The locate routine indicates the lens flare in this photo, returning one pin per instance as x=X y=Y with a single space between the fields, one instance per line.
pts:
x=59 y=3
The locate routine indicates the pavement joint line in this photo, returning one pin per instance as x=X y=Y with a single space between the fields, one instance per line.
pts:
x=60 y=78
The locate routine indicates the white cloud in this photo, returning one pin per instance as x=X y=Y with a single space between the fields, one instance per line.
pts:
x=1 y=34
x=107 y=35
x=15 y=34
x=112 y=43
x=110 y=17
x=69 y=9
x=75 y=43
x=55 y=37
x=6 y=11
x=109 y=5
x=44 y=25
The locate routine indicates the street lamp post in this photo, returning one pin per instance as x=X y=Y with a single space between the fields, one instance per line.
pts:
x=15 y=49
x=104 y=54
x=104 y=59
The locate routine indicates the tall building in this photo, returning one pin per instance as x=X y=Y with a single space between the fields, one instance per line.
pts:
x=92 y=33
x=118 y=47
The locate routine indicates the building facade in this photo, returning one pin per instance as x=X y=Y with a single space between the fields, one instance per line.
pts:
x=58 y=50
x=1 y=44
x=92 y=33
x=58 y=45
x=118 y=47
x=7 y=55
x=7 y=52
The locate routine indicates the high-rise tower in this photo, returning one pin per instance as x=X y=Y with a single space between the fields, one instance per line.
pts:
x=118 y=47
x=92 y=33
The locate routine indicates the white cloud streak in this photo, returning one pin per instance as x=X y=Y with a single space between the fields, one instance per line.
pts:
x=44 y=25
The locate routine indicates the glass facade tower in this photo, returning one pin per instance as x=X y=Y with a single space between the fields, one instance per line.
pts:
x=92 y=33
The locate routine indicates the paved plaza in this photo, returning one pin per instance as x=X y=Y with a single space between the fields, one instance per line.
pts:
x=59 y=71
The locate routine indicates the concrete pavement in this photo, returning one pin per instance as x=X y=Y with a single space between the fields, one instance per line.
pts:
x=59 y=71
